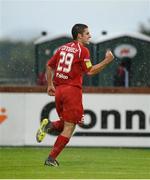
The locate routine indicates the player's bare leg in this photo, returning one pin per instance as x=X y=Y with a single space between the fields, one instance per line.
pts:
x=68 y=129
x=60 y=144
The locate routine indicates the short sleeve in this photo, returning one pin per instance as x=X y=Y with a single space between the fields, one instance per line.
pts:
x=85 y=60
x=53 y=61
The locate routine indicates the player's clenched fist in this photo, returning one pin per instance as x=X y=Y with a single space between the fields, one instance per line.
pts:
x=109 y=56
x=51 y=90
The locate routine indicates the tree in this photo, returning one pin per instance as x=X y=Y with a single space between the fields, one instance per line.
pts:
x=145 y=29
x=16 y=62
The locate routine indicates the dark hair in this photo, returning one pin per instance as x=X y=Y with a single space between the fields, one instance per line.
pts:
x=78 y=29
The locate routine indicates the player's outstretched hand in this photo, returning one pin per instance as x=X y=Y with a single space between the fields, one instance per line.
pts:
x=51 y=90
x=109 y=56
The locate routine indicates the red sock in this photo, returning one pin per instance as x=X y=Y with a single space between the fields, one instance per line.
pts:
x=58 y=125
x=59 y=145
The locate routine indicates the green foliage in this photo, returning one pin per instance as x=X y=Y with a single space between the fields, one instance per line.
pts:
x=75 y=163
x=16 y=61
x=145 y=29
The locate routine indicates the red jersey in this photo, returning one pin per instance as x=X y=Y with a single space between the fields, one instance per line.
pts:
x=70 y=62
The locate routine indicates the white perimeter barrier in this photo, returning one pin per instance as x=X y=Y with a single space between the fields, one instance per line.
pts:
x=112 y=120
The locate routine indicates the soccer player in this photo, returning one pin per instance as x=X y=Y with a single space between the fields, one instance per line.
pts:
x=64 y=76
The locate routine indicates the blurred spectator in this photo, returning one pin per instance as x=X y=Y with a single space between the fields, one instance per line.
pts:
x=121 y=77
x=41 y=81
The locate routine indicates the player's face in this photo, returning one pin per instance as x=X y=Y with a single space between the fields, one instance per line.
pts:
x=85 y=37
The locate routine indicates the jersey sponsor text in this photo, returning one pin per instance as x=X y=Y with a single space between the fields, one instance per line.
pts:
x=62 y=76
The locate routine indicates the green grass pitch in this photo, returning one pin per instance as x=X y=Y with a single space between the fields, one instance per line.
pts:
x=75 y=163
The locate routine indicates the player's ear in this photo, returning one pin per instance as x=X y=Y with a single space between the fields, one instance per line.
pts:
x=79 y=36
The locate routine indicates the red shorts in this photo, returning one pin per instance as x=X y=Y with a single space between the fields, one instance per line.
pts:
x=69 y=103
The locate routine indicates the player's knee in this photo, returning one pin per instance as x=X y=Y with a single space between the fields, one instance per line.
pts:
x=68 y=129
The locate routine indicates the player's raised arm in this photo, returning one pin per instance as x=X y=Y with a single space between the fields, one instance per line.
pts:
x=100 y=66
